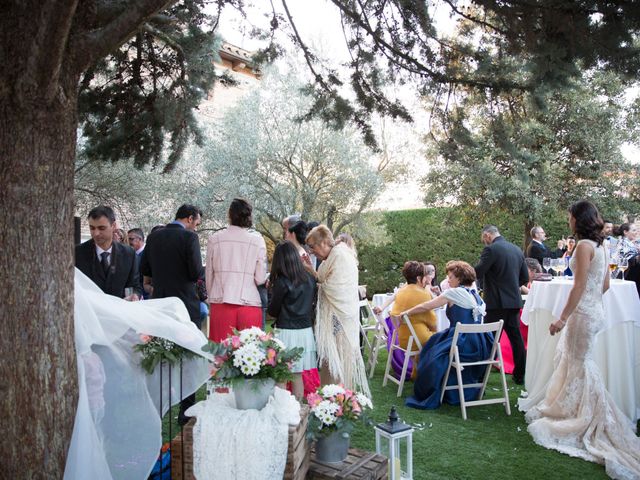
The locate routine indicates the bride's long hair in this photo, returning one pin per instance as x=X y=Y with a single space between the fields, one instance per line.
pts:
x=588 y=222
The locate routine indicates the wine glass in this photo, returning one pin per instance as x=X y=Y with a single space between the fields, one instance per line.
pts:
x=546 y=264
x=558 y=266
x=613 y=265
x=623 y=264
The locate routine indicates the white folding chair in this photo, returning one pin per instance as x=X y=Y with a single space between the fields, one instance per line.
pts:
x=454 y=361
x=409 y=353
x=368 y=323
x=380 y=334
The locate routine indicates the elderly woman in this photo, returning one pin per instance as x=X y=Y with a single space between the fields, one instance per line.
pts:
x=412 y=294
x=337 y=326
x=236 y=265
x=463 y=305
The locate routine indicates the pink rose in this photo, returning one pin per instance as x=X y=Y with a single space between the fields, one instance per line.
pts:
x=314 y=399
x=271 y=357
x=213 y=370
x=145 y=338
x=235 y=341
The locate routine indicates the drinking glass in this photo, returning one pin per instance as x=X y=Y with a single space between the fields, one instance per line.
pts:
x=546 y=264
x=613 y=265
x=623 y=264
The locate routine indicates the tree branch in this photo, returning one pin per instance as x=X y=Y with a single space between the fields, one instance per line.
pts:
x=93 y=45
x=57 y=18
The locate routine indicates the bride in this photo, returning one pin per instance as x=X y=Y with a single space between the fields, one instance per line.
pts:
x=578 y=416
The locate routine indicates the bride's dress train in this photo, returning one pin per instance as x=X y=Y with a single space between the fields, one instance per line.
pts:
x=578 y=417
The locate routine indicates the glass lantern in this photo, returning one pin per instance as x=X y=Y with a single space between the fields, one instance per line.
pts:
x=392 y=437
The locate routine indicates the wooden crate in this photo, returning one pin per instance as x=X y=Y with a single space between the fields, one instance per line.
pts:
x=359 y=465
x=298 y=452
x=180 y=448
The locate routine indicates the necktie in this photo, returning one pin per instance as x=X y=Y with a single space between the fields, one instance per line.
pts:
x=105 y=262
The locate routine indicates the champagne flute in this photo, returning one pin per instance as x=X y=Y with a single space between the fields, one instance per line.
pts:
x=546 y=264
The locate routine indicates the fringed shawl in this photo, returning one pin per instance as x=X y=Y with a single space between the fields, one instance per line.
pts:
x=338 y=319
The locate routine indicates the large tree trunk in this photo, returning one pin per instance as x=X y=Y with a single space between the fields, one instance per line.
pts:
x=38 y=379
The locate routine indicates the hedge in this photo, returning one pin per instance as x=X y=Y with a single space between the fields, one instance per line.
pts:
x=439 y=235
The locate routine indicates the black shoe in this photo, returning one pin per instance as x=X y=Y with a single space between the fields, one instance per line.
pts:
x=518 y=380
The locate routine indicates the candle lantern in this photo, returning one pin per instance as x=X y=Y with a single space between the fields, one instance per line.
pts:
x=392 y=437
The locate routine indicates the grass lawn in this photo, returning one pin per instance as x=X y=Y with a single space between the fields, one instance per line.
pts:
x=489 y=444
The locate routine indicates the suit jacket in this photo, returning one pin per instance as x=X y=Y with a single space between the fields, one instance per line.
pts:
x=502 y=271
x=539 y=251
x=123 y=270
x=172 y=258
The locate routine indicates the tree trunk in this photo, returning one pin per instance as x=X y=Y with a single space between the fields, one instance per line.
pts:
x=38 y=375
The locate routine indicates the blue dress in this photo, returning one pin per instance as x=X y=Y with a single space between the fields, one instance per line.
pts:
x=434 y=359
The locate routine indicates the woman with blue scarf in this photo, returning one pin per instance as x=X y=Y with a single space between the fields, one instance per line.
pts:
x=463 y=305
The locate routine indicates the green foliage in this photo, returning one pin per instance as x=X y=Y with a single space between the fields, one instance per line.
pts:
x=522 y=151
x=263 y=151
x=138 y=102
x=439 y=235
x=155 y=350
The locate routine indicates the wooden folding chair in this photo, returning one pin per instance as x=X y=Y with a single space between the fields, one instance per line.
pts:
x=454 y=361
x=409 y=353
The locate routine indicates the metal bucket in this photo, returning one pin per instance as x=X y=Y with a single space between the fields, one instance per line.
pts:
x=333 y=448
x=253 y=393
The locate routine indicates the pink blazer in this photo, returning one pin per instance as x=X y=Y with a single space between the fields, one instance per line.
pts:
x=236 y=264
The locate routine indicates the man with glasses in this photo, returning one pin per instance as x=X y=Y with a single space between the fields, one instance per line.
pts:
x=537 y=249
x=135 y=236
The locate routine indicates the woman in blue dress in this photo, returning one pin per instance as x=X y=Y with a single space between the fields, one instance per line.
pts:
x=465 y=306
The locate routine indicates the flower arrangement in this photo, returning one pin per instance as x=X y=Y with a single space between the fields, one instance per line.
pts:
x=155 y=350
x=252 y=353
x=336 y=409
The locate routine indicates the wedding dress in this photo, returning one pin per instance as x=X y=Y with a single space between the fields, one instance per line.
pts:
x=117 y=429
x=578 y=417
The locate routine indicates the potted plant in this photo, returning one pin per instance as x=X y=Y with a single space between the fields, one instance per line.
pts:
x=334 y=411
x=252 y=361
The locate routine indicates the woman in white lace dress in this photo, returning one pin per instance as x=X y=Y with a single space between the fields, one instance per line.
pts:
x=578 y=416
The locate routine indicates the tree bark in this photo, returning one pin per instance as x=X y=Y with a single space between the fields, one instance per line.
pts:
x=38 y=380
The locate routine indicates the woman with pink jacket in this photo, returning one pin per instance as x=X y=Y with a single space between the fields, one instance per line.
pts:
x=236 y=265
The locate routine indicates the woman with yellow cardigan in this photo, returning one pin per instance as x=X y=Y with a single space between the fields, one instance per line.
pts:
x=412 y=294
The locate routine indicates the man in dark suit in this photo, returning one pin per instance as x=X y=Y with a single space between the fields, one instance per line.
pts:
x=537 y=249
x=172 y=262
x=111 y=265
x=135 y=236
x=503 y=270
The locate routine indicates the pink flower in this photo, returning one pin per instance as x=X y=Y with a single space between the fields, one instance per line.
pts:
x=213 y=370
x=340 y=397
x=355 y=406
x=340 y=412
x=145 y=338
x=314 y=399
x=348 y=394
x=266 y=337
x=271 y=357
x=235 y=341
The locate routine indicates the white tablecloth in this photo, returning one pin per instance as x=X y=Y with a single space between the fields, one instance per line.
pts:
x=379 y=299
x=617 y=347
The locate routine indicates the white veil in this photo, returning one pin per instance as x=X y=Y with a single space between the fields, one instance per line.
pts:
x=117 y=430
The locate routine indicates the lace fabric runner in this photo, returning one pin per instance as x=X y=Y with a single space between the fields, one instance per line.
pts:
x=242 y=444
x=578 y=417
